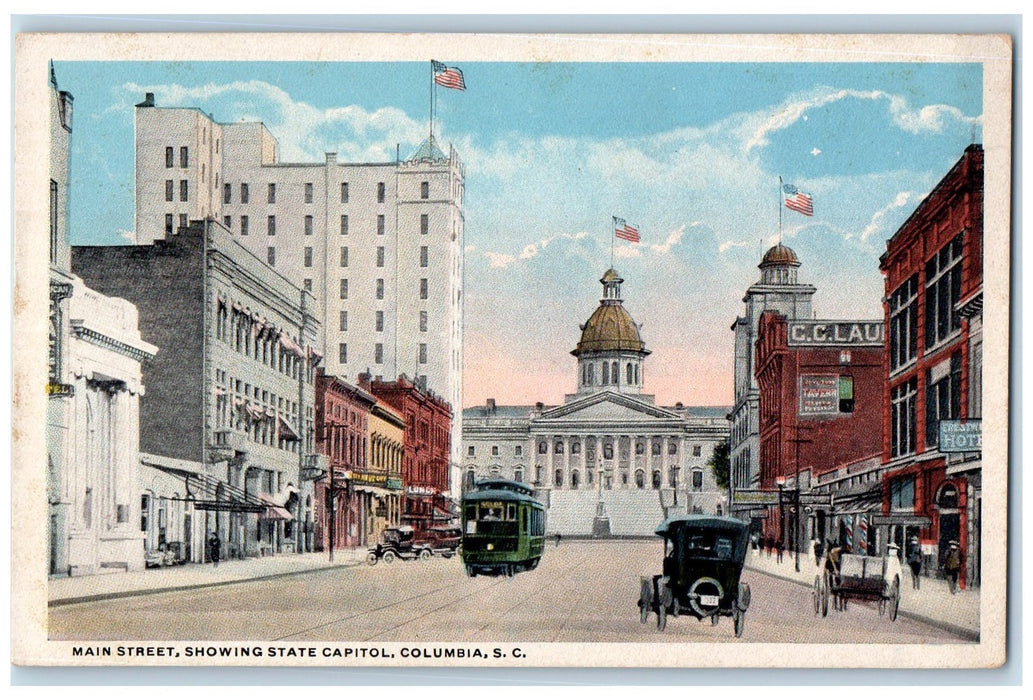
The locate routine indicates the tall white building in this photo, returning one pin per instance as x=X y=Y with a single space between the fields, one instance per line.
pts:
x=778 y=290
x=608 y=460
x=379 y=245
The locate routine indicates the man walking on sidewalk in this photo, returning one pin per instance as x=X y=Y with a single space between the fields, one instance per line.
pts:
x=952 y=566
x=214 y=545
x=914 y=560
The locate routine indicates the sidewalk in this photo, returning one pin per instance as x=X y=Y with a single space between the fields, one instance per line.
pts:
x=62 y=591
x=932 y=604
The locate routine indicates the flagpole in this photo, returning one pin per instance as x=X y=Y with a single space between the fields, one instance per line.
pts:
x=432 y=92
x=613 y=234
x=780 y=210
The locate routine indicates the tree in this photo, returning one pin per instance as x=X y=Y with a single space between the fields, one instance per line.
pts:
x=720 y=464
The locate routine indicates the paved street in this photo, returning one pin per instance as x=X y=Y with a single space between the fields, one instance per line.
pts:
x=582 y=591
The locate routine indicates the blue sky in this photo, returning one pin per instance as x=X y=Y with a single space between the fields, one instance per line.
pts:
x=691 y=152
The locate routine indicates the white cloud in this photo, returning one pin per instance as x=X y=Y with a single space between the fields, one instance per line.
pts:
x=127 y=235
x=673 y=238
x=530 y=250
x=875 y=225
x=728 y=245
x=627 y=251
x=815 y=151
x=499 y=260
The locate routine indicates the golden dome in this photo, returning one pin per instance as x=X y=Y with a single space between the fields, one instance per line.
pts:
x=780 y=255
x=610 y=327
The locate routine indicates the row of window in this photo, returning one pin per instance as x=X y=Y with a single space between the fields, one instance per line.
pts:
x=308 y=225
x=379 y=321
x=266 y=418
x=378 y=353
x=942 y=402
x=260 y=341
x=610 y=374
x=245 y=188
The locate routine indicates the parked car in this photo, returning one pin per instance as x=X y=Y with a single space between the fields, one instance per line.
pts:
x=397 y=543
x=444 y=540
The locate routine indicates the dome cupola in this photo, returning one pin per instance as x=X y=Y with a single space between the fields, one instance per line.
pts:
x=778 y=266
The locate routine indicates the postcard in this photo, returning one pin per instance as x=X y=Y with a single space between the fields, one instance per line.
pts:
x=511 y=350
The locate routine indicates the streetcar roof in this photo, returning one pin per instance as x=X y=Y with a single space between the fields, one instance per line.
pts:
x=499 y=495
x=497 y=484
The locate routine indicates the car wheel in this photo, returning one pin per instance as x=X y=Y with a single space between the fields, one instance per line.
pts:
x=425 y=554
x=389 y=557
x=371 y=558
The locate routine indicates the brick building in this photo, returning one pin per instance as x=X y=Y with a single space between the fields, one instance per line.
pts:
x=425 y=464
x=933 y=269
x=821 y=394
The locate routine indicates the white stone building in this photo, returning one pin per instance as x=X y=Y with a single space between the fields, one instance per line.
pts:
x=379 y=245
x=608 y=460
x=778 y=290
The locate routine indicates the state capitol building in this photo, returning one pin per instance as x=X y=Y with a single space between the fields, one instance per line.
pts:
x=607 y=461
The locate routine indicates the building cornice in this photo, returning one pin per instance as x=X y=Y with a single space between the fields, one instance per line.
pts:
x=94 y=337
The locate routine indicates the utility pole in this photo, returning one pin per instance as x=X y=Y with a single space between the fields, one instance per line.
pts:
x=796 y=494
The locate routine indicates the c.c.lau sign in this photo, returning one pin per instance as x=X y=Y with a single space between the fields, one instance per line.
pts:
x=836 y=333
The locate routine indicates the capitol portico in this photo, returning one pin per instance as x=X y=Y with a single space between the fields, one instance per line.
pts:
x=608 y=450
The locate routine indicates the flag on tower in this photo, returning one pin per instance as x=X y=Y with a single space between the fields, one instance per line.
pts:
x=622 y=230
x=797 y=200
x=450 y=77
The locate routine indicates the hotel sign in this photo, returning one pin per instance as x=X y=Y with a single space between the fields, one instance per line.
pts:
x=956 y=436
x=754 y=498
x=869 y=333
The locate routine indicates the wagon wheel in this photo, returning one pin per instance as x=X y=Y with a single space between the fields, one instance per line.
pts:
x=645 y=599
x=661 y=618
x=894 y=601
x=825 y=597
x=665 y=598
x=816 y=594
x=739 y=618
x=389 y=557
x=424 y=554
x=714 y=619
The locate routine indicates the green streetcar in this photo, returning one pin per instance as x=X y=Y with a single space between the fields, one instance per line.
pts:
x=503 y=528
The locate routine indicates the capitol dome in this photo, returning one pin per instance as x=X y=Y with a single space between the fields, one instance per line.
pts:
x=780 y=255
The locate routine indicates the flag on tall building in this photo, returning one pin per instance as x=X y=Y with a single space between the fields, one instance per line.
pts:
x=622 y=230
x=797 y=200
x=448 y=76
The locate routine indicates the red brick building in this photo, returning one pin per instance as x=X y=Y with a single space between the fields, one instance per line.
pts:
x=820 y=410
x=342 y=414
x=933 y=269
x=425 y=465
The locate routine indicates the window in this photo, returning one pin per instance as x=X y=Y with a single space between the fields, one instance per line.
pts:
x=902 y=418
x=226 y=221
x=344 y=288
x=308 y=257
x=470 y=451
x=245 y=193
x=423 y=288
x=169 y=219
x=494 y=450
x=672 y=448
x=697 y=479
x=182 y=220
x=170 y=156
x=308 y=225
x=559 y=477
x=423 y=256
x=270 y=255
x=846 y=394
x=657 y=479
x=672 y=477
x=53 y=221
x=380 y=256
x=272 y=193
x=557 y=448
x=640 y=479
x=903 y=308
x=344 y=224
x=342 y=353
x=182 y=190
x=543 y=448
x=380 y=224
x=184 y=157
x=423 y=353
x=344 y=193
x=378 y=353
x=902 y=494
x=344 y=256
x=308 y=193
x=608 y=451
x=169 y=190
x=575 y=448
x=380 y=288
x=243 y=225
x=380 y=321
x=606 y=373
x=942 y=397
x=518 y=450
x=424 y=190
x=423 y=322
x=227 y=193
x=424 y=224
x=381 y=192
x=344 y=321
x=942 y=292
x=271 y=225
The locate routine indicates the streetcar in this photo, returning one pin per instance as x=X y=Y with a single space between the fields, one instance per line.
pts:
x=503 y=528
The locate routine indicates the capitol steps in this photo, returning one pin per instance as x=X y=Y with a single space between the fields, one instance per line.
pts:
x=633 y=513
x=571 y=512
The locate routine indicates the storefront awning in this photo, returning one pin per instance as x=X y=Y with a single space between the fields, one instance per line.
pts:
x=287 y=431
x=273 y=511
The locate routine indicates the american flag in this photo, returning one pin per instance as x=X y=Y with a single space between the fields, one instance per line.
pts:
x=625 y=232
x=797 y=200
x=448 y=77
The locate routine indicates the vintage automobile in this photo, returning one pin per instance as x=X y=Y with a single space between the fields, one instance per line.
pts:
x=703 y=560
x=397 y=543
x=443 y=540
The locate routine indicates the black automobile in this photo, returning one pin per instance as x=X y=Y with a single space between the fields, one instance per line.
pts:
x=703 y=560
x=397 y=543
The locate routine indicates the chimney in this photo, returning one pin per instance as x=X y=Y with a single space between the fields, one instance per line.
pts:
x=491 y=405
x=148 y=100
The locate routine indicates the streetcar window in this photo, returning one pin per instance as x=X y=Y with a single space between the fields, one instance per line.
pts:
x=491 y=513
x=511 y=511
x=523 y=520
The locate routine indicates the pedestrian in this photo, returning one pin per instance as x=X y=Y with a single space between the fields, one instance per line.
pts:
x=780 y=546
x=768 y=545
x=914 y=561
x=816 y=546
x=558 y=538
x=214 y=545
x=952 y=566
